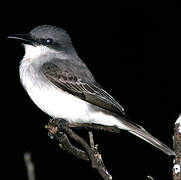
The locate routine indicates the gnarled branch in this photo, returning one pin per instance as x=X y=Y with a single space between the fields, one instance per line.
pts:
x=177 y=149
x=89 y=152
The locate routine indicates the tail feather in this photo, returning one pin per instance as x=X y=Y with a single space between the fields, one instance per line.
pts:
x=154 y=141
x=143 y=134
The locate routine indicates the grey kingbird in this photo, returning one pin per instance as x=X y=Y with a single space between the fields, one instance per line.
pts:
x=62 y=86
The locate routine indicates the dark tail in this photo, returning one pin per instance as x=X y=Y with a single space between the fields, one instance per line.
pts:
x=143 y=134
x=152 y=140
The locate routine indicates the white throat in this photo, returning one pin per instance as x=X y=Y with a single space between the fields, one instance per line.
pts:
x=32 y=52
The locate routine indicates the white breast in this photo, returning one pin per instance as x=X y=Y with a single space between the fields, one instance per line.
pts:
x=33 y=52
x=50 y=99
x=60 y=104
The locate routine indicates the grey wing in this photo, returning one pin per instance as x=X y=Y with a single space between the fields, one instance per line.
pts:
x=81 y=84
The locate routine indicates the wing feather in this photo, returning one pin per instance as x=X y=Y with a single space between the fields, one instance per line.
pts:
x=71 y=82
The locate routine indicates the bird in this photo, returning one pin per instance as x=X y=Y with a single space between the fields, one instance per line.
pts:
x=62 y=86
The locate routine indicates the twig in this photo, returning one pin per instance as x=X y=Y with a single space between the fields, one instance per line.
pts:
x=150 y=177
x=91 y=151
x=91 y=139
x=177 y=148
x=88 y=126
x=94 y=156
x=64 y=142
x=97 y=127
x=29 y=166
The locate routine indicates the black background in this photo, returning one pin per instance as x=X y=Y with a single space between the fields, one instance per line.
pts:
x=133 y=50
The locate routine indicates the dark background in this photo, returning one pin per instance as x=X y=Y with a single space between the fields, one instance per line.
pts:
x=133 y=50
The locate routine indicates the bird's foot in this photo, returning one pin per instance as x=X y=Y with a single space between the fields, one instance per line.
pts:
x=55 y=126
x=61 y=123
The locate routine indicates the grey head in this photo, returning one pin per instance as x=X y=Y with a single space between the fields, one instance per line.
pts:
x=47 y=35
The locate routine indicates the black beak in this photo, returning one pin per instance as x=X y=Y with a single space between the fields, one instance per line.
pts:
x=23 y=38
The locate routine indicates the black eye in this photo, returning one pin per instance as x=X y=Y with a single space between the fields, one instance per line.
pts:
x=49 y=41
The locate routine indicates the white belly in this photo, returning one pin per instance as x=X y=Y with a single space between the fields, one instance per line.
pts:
x=60 y=104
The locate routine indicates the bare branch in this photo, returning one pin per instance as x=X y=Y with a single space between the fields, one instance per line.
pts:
x=68 y=147
x=177 y=148
x=91 y=139
x=29 y=166
x=97 y=127
x=150 y=177
x=91 y=151
x=64 y=142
